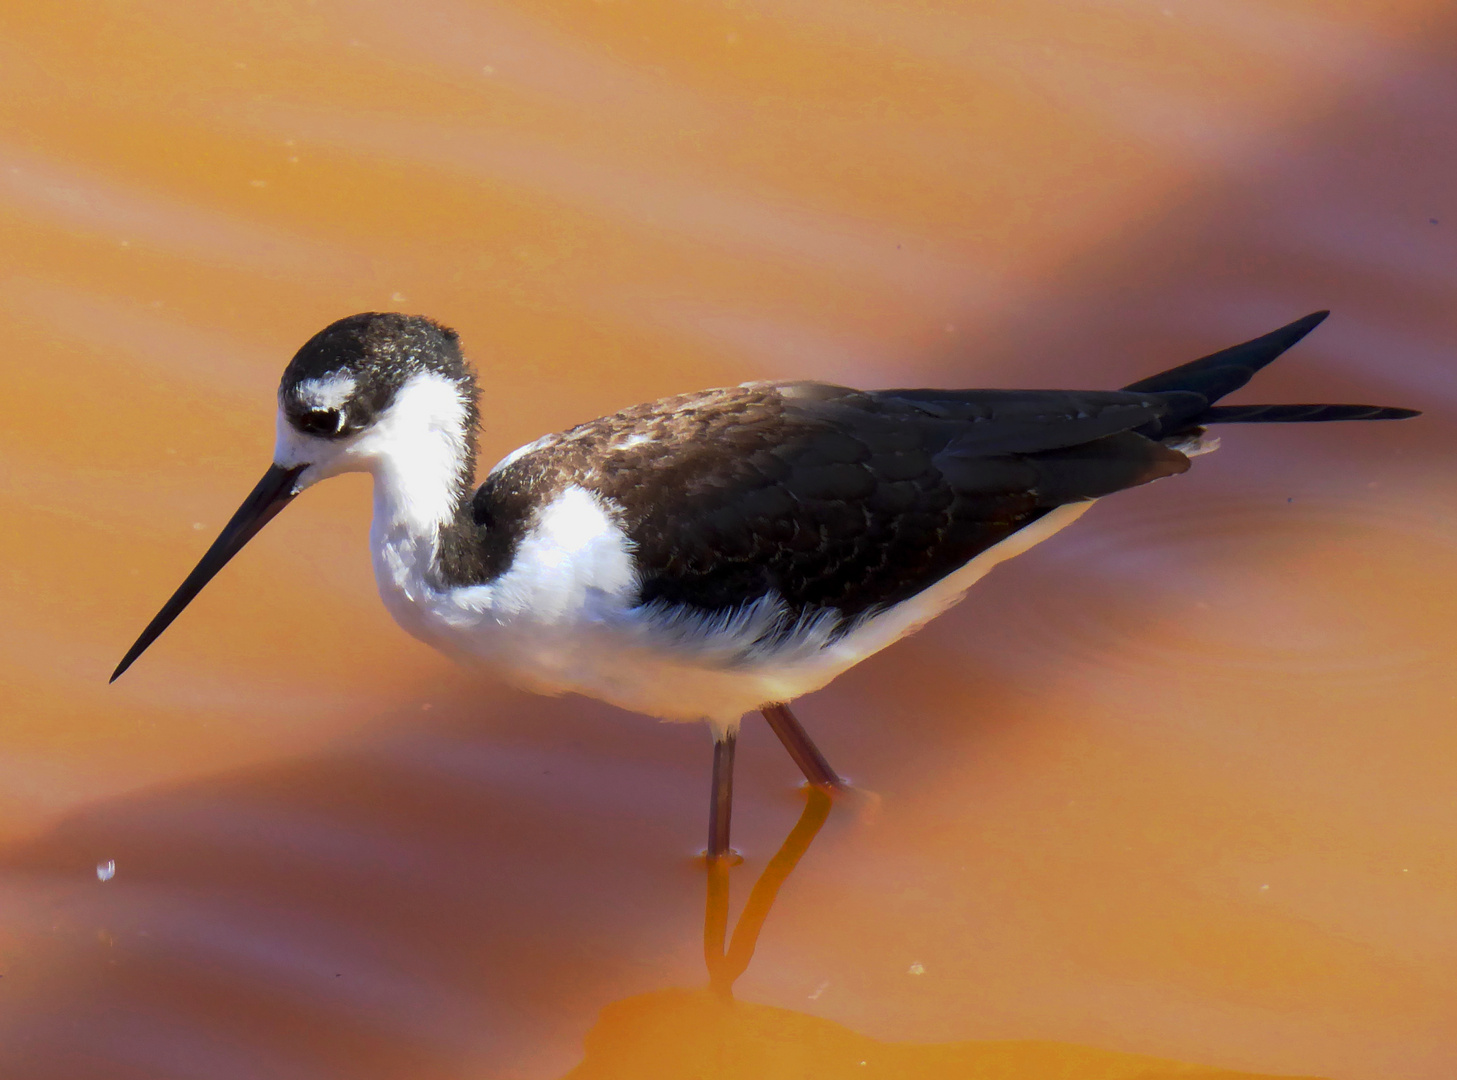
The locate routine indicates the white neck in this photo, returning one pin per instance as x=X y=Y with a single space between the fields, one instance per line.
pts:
x=416 y=452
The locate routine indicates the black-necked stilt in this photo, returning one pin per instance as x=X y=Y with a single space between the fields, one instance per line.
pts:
x=711 y=554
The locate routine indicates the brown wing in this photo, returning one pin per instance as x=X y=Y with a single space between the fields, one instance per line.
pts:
x=830 y=497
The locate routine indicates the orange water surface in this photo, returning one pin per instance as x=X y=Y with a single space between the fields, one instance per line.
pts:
x=1180 y=786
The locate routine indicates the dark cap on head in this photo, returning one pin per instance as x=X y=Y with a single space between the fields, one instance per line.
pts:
x=364 y=360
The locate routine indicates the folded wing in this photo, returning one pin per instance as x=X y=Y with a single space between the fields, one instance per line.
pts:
x=831 y=497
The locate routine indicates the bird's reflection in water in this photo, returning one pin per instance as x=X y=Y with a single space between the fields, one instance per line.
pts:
x=706 y=1034
x=726 y=964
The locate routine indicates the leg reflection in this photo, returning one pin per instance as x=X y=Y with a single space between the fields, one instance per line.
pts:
x=725 y=965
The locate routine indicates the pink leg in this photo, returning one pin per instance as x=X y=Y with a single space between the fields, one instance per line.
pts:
x=721 y=798
x=801 y=748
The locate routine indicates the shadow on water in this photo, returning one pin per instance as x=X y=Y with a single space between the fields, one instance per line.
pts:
x=426 y=907
x=707 y=1033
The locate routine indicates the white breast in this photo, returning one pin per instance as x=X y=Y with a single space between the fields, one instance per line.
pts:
x=550 y=622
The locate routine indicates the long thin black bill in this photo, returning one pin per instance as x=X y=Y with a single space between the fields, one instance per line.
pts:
x=273 y=493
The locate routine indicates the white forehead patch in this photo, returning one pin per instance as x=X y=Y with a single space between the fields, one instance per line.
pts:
x=328 y=392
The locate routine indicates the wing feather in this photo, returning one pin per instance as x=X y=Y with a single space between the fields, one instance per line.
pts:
x=827 y=496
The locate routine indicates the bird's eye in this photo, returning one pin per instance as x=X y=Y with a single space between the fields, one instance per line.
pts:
x=319 y=422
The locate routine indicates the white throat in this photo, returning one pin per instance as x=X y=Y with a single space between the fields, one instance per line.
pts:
x=415 y=451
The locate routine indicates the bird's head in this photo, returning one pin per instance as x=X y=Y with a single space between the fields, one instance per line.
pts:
x=370 y=390
x=376 y=392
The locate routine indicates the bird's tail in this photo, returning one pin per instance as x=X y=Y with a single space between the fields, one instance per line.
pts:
x=1213 y=376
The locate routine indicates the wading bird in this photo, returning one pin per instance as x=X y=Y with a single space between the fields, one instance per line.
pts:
x=711 y=554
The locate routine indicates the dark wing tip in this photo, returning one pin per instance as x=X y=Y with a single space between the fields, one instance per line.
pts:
x=1290 y=333
x=1300 y=414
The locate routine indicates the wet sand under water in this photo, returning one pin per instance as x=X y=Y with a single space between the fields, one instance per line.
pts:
x=1174 y=787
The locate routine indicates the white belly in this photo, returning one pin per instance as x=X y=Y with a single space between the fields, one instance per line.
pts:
x=562 y=619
